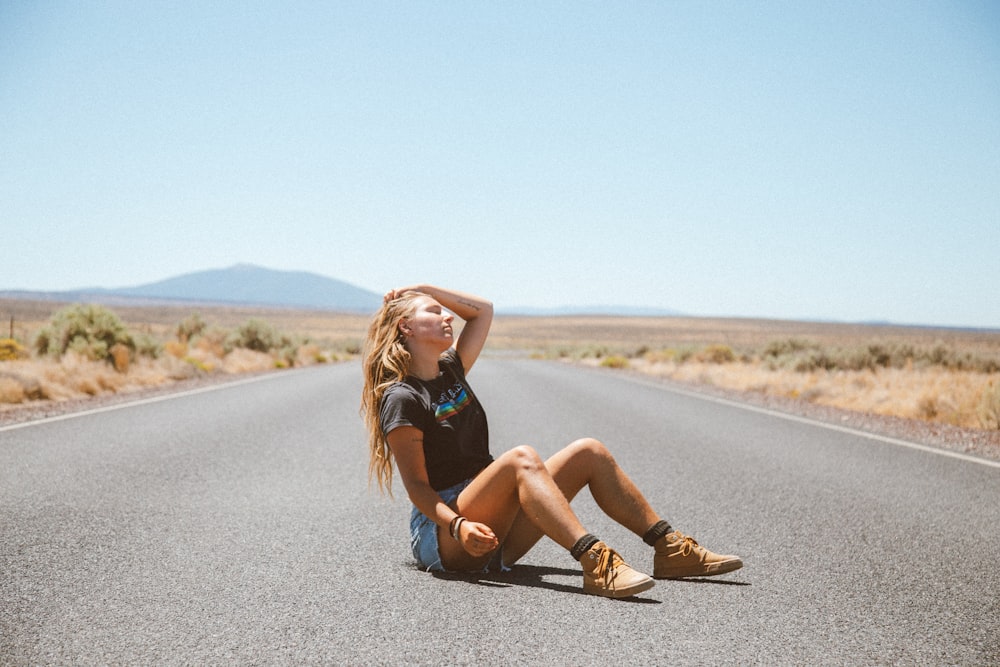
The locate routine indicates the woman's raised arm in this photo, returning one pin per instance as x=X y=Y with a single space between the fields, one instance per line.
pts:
x=475 y=311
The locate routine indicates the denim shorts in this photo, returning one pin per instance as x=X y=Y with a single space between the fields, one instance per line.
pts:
x=424 y=536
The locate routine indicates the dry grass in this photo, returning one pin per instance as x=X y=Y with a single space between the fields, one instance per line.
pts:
x=932 y=394
x=11 y=390
x=74 y=376
x=728 y=353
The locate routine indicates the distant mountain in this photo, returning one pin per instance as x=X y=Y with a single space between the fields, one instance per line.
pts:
x=243 y=284
x=250 y=285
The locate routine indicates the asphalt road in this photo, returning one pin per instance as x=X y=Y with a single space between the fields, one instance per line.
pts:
x=234 y=526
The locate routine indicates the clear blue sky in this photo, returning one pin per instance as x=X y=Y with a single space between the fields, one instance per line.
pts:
x=833 y=160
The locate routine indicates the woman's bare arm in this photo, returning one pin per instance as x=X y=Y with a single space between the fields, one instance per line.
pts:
x=407 y=445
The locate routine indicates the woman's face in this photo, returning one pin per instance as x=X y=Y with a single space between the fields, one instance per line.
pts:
x=429 y=324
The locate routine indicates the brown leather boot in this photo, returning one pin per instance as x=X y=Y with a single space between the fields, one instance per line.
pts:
x=678 y=555
x=606 y=574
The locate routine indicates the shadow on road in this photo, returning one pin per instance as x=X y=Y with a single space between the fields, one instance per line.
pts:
x=704 y=580
x=532 y=576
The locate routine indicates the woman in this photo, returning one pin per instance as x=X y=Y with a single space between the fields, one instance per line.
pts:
x=471 y=512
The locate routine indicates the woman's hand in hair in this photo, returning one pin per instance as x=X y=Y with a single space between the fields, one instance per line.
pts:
x=394 y=294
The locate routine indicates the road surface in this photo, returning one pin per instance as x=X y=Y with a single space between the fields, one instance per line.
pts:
x=235 y=526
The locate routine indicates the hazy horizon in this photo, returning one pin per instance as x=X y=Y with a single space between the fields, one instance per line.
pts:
x=567 y=309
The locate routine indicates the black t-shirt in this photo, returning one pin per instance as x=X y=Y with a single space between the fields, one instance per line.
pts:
x=456 y=435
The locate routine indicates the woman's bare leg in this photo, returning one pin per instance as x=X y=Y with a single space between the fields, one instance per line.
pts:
x=518 y=483
x=586 y=462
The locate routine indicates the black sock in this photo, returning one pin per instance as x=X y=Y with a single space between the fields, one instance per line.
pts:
x=582 y=546
x=656 y=531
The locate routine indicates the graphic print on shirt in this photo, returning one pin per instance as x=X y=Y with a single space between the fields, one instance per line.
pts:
x=451 y=402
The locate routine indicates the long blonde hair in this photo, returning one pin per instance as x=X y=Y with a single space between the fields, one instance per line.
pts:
x=385 y=361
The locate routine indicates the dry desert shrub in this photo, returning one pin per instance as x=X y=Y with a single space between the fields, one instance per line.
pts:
x=310 y=354
x=11 y=350
x=203 y=360
x=82 y=375
x=120 y=357
x=988 y=409
x=717 y=354
x=175 y=368
x=243 y=360
x=11 y=390
x=20 y=382
x=84 y=329
x=213 y=340
x=675 y=355
x=256 y=334
x=614 y=361
x=190 y=327
x=27 y=375
x=176 y=349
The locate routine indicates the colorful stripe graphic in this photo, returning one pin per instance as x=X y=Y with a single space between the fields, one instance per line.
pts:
x=451 y=408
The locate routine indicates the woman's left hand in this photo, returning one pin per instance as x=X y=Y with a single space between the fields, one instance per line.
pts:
x=477 y=539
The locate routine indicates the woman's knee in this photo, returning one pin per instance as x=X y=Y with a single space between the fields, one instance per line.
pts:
x=589 y=447
x=524 y=457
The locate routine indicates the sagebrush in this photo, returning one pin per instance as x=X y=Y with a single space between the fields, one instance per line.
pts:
x=87 y=329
